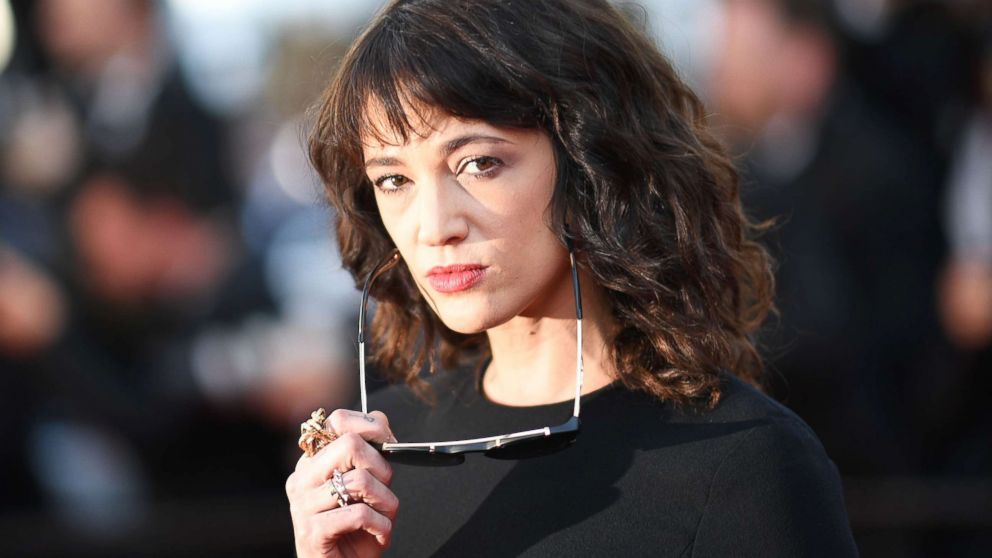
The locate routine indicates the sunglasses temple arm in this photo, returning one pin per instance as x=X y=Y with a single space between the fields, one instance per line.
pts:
x=361 y=376
x=383 y=266
x=579 y=370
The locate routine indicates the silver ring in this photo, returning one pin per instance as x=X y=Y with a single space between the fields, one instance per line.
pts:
x=337 y=485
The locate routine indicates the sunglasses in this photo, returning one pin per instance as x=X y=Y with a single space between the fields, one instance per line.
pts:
x=517 y=445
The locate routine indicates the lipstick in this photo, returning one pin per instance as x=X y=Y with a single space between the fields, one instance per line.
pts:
x=455 y=278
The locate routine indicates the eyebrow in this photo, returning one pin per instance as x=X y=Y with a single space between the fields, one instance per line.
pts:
x=462 y=141
x=449 y=148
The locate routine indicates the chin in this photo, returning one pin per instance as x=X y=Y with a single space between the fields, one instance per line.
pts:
x=467 y=318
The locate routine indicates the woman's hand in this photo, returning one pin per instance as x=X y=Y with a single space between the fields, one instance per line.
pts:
x=324 y=528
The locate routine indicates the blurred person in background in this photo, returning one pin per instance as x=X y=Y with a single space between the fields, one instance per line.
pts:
x=848 y=139
x=960 y=444
x=284 y=222
x=32 y=315
x=145 y=256
x=966 y=296
x=858 y=237
x=113 y=61
x=928 y=71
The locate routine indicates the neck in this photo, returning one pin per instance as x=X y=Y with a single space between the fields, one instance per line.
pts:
x=534 y=356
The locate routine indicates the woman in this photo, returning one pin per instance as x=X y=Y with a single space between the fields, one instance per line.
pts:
x=470 y=147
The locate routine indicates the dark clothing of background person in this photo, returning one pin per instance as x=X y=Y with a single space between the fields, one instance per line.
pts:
x=748 y=478
x=859 y=244
x=181 y=154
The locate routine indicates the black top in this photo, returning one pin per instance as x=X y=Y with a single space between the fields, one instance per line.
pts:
x=748 y=478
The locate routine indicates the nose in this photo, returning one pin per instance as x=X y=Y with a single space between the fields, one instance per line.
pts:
x=442 y=218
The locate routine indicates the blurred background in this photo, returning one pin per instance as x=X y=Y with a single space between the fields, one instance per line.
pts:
x=172 y=306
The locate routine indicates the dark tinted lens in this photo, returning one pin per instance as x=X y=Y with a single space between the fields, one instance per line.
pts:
x=424 y=458
x=533 y=447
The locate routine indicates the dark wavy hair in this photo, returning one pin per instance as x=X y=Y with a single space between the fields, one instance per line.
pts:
x=650 y=198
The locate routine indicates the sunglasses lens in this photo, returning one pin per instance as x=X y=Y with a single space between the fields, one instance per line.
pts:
x=534 y=447
x=424 y=458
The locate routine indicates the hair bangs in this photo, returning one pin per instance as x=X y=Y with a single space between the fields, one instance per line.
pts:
x=406 y=74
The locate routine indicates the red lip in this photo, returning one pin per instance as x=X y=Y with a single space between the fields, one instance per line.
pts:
x=455 y=278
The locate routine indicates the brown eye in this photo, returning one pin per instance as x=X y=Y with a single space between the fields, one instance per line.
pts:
x=391 y=183
x=485 y=164
x=481 y=166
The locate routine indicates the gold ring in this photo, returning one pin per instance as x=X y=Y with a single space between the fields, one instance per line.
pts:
x=315 y=433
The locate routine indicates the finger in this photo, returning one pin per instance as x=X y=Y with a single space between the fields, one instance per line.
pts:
x=362 y=486
x=349 y=451
x=358 y=517
x=373 y=427
x=319 y=499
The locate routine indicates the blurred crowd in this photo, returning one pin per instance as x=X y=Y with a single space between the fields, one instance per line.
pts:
x=172 y=305
x=170 y=299
x=865 y=135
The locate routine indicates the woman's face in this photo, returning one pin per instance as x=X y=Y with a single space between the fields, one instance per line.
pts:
x=466 y=204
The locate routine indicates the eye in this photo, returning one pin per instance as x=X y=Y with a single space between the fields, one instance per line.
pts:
x=480 y=166
x=391 y=183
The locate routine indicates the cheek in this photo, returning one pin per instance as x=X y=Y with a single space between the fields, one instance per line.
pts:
x=393 y=221
x=518 y=225
x=521 y=212
x=400 y=232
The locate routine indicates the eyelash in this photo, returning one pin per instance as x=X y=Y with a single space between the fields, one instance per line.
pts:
x=378 y=182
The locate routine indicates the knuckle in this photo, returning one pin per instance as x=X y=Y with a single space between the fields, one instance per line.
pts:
x=352 y=442
x=395 y=501
x=362 y=481
x=389 y=505
x=380 y=417
x=387 y=474
x=365 y=513
x=338 y=419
